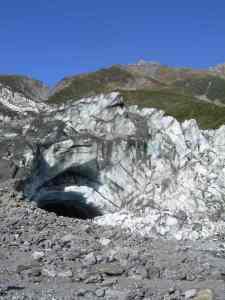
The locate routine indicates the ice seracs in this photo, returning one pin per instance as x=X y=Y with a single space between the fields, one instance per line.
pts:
x=137 y=167
x=141 y=169
x=17 y=102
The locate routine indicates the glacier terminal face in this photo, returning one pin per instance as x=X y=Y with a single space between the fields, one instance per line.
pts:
x=128 y=167
x=19 y=103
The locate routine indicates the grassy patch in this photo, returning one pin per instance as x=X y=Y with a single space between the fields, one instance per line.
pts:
x=91 y=84
x=211 y=86
x=166 y=70
x=180 y=106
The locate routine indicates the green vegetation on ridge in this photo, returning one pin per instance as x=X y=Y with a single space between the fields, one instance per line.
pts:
x=213 y=87
x=102 y=81
x=177 y=91
x=177 y=96
x=180 y=106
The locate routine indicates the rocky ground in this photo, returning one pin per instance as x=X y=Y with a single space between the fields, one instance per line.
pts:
x=44 y=256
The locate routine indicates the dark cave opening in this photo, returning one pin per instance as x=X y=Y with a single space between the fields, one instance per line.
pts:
x=69 y=204
x=70 y=210
x=72 y=204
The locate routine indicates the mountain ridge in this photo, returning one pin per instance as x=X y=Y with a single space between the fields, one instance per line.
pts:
x=154 y=73
x=152 y=70
x=142 y=75
x=183 y=93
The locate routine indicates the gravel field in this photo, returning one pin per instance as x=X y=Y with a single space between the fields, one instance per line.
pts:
x=44 y=256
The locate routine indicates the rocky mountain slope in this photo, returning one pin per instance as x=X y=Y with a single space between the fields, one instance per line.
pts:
x=140 y=76
x=206 y=85
x=181 y=92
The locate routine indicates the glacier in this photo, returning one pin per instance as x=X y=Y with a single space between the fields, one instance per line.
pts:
x=141 y=169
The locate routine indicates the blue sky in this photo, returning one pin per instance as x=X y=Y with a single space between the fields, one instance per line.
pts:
x=49 y=39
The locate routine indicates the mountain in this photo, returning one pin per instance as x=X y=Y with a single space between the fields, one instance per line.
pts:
x=207 y=85
x=104 y=80
x=181 y=92
x=184 y=93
